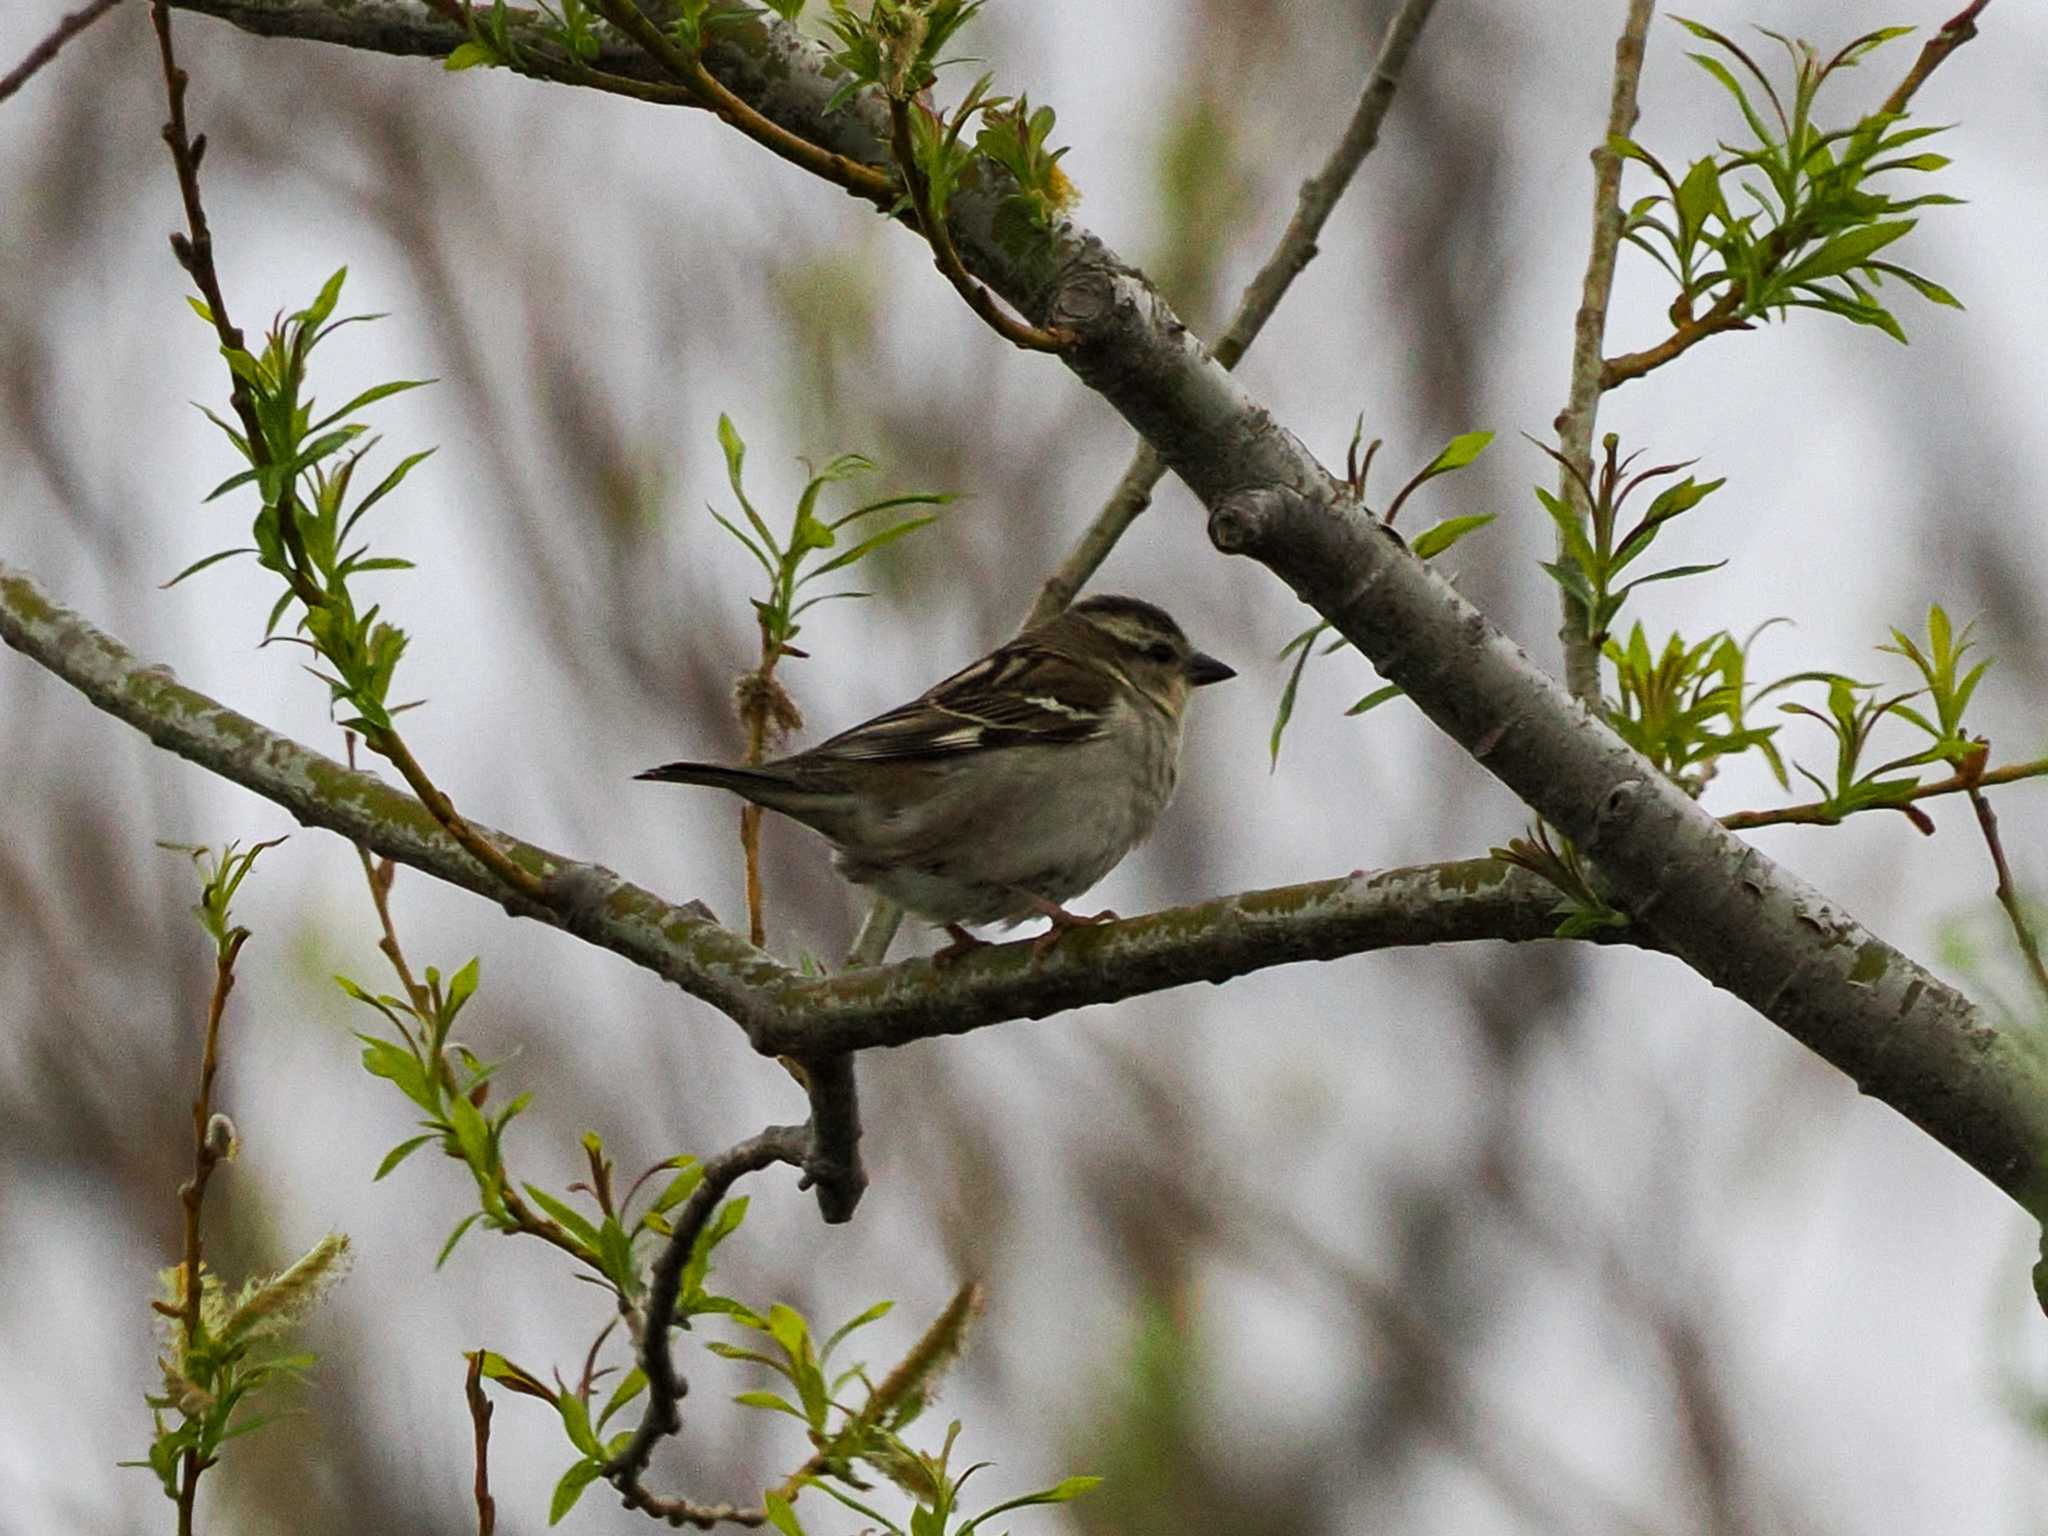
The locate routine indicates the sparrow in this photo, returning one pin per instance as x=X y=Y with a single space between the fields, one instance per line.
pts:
x=1011 y=786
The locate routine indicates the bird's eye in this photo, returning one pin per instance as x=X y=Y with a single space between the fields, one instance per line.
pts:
x=1162 y=652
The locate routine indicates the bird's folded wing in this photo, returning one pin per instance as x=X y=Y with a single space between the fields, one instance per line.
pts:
x=1021 y=695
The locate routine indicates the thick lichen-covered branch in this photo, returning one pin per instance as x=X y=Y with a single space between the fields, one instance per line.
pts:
x=782 y=1012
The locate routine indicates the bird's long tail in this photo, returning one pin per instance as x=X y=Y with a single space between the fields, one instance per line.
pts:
x=762 y=786
x=741 y=781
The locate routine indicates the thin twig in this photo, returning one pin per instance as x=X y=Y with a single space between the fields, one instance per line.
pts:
x=66 y=29
x=380 y=874
x=206 y=1155
x=480 y=1419
x=1819 y=813
x=861 y=180
x=665 y=1387
x=2007 y=892
x=946 y=256
x=390 y=745
x=1582 y=404
x=1726 y=312
x=1955 y=32
x=194 y=251
x=1297 y=247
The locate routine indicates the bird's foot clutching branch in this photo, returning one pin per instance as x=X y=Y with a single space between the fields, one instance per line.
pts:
x=1063 y=922
x=960 y=942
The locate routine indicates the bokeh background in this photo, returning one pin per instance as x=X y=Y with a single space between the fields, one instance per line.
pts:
x=1484 y=1240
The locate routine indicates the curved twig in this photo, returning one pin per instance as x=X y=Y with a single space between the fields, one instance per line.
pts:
x=665 y=1387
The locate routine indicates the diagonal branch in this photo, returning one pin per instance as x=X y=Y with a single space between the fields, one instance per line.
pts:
x=1729 y=912
x=1582 y=403
x=67 y=28
x=782 y=1012
x=1297 y=248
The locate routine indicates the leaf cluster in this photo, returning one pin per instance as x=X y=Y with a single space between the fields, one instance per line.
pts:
x=1596 y=551
x=1684 y=707
x=1854 y=710
x=1582 y=911
x=1427 y=545
x=304 y=469
x=238 y=1351
x=937 y=1488
x=220 y=875
x=895 y=47
x=789 y=561
x=1813 y=222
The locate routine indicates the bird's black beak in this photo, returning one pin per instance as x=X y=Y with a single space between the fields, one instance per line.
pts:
x=1203 y=670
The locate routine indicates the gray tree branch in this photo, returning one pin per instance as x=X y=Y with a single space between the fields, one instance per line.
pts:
x=783 y=1012
x=1730 y=912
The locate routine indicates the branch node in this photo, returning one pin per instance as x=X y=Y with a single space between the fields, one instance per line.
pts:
x=1238 y=520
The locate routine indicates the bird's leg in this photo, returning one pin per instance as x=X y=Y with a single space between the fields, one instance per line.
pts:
x=961 y=943
x=1062 y=922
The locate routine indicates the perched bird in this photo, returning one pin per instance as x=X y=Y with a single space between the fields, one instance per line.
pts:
x=1011 y=786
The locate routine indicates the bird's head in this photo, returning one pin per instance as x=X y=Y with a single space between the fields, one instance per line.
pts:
x=1140 y=643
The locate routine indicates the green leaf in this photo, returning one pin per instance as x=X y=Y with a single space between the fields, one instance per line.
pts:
x=1927 y=288
x=870 y=545
x=767 y=1400
x=229 y=484
x=1669 y=574
x=575 y=1414
x=370 y=396
x=1285 y=711
x=890 y=503
x=455 y=1237
x=1067 y=1488
x=630 y=1386
x=570 y=1488
x=399 y=1154
x=680 y=1186
x=1434 y=541
x=1460 y=451
x=199 y=565
x=470 y=56
x=735 y=457
x=1375 y=699
x=461 y=987
x=323 y=305
x=879 y=1310
x=398 y=1065
x=567 y=1216
x=384 y=487
x=780 y=1515
x=1847 y=251
x=471 y=1134
x=514 y=1378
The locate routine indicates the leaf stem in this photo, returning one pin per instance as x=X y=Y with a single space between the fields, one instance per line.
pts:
x=192 y=1196
x=946 y=256
x=841 y=170
x=2006 y=891
x=1821 y=813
